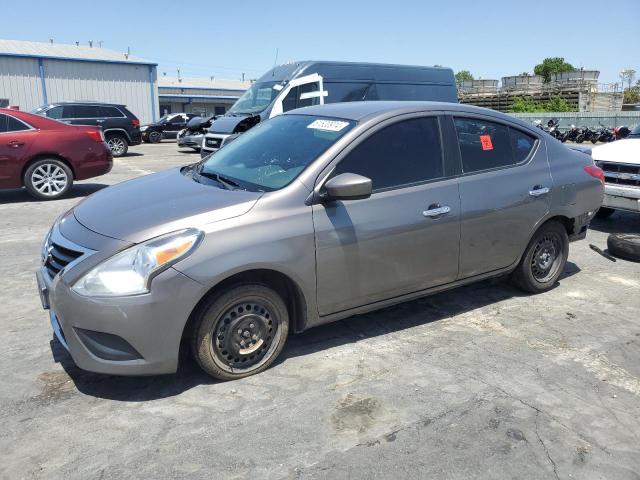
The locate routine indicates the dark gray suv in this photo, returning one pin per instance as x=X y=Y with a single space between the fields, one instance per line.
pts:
x=310 y=217
x=121 y=128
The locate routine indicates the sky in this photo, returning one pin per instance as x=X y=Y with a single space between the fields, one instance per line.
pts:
x=226 y=39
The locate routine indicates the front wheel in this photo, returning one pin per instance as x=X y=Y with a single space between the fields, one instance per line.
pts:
x=48 y=179
x=240 y=332
x=118 y=145
x=544 y=259
x=155 y=137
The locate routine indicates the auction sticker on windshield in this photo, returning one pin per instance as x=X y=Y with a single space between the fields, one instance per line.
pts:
x=328 y=125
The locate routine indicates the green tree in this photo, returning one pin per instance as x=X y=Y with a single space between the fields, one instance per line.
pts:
x=558 y=104
x=528 y=105
x=552 y=65
x=463 y=75
x=628 y=75
x=632 y=94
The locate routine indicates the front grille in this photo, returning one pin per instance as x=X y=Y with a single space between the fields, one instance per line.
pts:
x=213 y=142
x=59 y=257
x=621 y=173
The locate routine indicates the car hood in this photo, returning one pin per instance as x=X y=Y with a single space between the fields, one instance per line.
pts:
x=228 y=123
x=160 y=203
x=624 y=151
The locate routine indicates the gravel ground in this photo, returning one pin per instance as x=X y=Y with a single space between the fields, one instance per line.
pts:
x=479 y=382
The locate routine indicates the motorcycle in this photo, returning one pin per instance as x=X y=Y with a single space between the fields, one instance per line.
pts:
x=621 y=132
x=570 y=135
x=553 y=128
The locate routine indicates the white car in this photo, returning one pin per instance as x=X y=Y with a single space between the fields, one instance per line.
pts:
x=620 y=161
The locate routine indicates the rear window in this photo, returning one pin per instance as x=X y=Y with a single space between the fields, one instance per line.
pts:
x=486 y=145
x=109 y=112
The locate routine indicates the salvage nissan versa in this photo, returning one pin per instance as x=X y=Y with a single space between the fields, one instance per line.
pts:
x=313 y=216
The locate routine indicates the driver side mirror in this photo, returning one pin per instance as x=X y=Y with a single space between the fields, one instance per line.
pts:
x=347 y=186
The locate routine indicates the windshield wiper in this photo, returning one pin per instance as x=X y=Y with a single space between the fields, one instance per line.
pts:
x=226 y=181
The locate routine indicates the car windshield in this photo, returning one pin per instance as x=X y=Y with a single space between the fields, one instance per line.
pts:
x=256 y=99
x=272 y=154
x=635 y=132
x=39 y=110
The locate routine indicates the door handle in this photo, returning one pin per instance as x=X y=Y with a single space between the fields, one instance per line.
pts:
x=436 y=211
x=15 y=144
x=99 y=121
x=538 y=191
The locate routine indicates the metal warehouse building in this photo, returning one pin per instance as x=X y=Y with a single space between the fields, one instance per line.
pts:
x=203 y=96
x=34 y=74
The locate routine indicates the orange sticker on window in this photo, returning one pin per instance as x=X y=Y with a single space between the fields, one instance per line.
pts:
x=486 y=142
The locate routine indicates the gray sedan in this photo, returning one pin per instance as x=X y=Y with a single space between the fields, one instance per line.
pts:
x=310 y=217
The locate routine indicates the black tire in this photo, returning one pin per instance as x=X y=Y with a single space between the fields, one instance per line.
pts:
x=625 y=246
x=154 y=137
x=605 y=212
x=544 y=259
x=117 y=144
x=580 y=138
x=48 y=179
x=247 y=312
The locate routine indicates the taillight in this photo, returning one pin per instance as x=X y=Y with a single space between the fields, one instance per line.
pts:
x=595 y=172
x=135 y=122
x=95 y=135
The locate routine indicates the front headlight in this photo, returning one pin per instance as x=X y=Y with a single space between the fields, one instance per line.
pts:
x=143 y=128
x=130 y=272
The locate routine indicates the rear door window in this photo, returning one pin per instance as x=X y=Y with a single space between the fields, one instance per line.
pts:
x=521 y=144
x=15 y=125
x=3 y=123
x=109 y=112
x=483 y=145
x=86 y=111
x=405 y=153
x=55 y=112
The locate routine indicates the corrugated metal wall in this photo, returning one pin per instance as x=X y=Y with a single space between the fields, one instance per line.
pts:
x=20 y=82
x=101 y=82
x=67 y=81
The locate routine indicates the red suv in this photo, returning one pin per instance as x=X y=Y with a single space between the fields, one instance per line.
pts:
x=46 y=156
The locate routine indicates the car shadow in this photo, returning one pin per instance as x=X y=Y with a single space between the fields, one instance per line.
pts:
x=132 y=154
x=618 y=222
x=78 y=190
x=361 y=327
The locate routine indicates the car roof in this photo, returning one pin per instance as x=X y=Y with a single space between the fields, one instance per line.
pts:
x=360 y=111
x=87 y=102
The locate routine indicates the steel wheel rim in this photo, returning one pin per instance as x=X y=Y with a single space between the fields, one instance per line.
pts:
x=49 y=179
x=245 y=336
x=116 y=145
x=547 y=257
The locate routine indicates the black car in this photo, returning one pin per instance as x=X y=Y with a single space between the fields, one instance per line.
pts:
x=167 y=127
x=121 y=127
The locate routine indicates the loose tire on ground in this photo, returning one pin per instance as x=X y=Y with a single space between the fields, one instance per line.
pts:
x=117 y=144
x=240 y=331
x=625 y=246
x=48 y=179
x=544 y=259
x=605 y=212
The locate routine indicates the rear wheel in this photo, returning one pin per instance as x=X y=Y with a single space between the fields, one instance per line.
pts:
x=544 y=259
x=240 y=332
x=48 y=179
x=118 y=145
